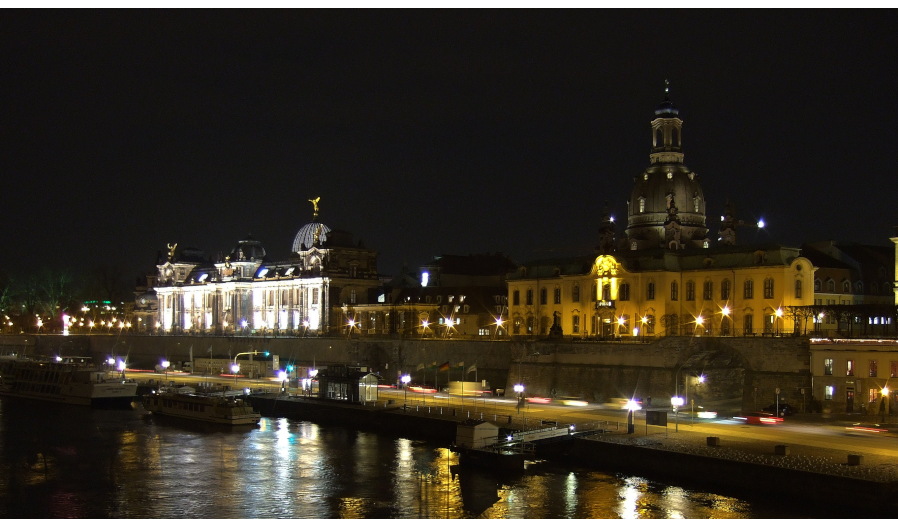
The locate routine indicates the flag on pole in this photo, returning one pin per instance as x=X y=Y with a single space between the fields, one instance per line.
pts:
x=444 y=366
x=471 y=368
x=461 y=364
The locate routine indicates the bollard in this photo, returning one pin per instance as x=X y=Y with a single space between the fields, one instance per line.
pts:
x=855 y=459
x=713 y=441
x=781 y=450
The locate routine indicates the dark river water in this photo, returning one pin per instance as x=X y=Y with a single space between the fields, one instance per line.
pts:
x=72 y=462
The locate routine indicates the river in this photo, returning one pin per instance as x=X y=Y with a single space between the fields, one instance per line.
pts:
x=73 y=462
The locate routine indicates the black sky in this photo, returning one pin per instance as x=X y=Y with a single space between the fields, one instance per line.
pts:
x=431 y=132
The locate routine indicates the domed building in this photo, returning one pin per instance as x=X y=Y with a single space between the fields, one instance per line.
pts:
x=248 y=292
x=667 y=205
x=663 y=276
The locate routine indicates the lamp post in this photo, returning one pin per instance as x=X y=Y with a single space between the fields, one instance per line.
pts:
x=644 y=320
x=724 y=316
x=779 y=315
x=631 y=406
x=406 y=378
x=165 y=364
x=519 y=390
x=699 y=323
x=499 y=323
x=885 y=398
x=676 y=403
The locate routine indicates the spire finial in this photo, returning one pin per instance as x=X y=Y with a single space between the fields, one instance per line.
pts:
x=666 y=88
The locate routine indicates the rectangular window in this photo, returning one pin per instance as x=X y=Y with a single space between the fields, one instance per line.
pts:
x=708 y=291
x=557 y=295
x=650 y=291
x=798 y=289
x=725 y=290
x=624 y=292
x=530 y=297
x=315 y=296
x=575 y=321
x=768 y=288
x=849 y=369
x=690 y=290
x=748 y=324
x=893 y=369
x=874 y=369
x=872 y=394
x=575 y=293
x=674 y=291
x=828 y=366
x=516 y=297
x=749 y=290
x=828 y=393
x=543 y=296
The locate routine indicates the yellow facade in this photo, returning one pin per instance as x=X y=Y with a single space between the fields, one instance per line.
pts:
x=724 y=292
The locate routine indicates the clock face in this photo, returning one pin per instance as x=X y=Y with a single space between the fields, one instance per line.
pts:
x=143 y=301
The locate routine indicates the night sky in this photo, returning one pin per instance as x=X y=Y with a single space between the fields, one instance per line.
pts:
x=431 y=132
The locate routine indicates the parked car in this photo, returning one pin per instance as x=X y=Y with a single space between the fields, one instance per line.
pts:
x=784 y=409
x=759 y=418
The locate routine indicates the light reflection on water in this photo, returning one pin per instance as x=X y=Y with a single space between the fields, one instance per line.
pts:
x=81 y=463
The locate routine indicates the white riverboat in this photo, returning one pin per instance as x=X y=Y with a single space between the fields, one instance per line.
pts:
x=207 y=408
x=66 y=380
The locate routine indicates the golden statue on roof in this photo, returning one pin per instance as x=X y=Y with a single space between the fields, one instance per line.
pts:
x=314 y=203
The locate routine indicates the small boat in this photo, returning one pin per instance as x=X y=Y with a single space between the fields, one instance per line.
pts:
x=216 y=409
x=68 y=380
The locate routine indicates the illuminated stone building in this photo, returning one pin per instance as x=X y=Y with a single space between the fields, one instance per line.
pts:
x=246 y=292
x=451 y=296
x=663 y=277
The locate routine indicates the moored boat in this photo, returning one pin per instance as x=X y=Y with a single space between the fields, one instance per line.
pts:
x=216 y=409
x=67 y=380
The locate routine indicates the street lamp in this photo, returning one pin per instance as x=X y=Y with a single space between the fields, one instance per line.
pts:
x=631 y=406
x=885 y=398
x=699 y=322
x=676 y=403
x=406 y=378
x=644 y=320
x=499 y=323
x=519 y=390
x=724 y=317
x=779 y=315
x=165 y=364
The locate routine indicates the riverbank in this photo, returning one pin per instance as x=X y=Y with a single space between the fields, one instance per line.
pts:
x=858 y=484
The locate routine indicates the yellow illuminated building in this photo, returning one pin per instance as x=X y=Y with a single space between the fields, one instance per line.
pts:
x=664 y=276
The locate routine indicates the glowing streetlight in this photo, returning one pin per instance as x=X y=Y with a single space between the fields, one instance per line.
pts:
x=885 y=398
x=779 y=315
x=165 y=364
x=631 y=407
x=676 y=403
x=406 y=378
x=519 y=389
x=699 y=322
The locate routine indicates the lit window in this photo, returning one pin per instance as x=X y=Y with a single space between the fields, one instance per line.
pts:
x=827 y=366
x=828 y=393
x=849 y=370
x=874 y=368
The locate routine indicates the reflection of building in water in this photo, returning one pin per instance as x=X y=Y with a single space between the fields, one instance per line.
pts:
x=663 y=277
x=246 y=292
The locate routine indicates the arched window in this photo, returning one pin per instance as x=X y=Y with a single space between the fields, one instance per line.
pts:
x=530 y=297
x=557 y=295
x=543 y=296
x=817 y=285
x=846 y=286
x=749 y=289
x=798 y=289
x=768 y=288
x=516 y=297
x=575 y=293
x=674 y=291
x=690 y=290
x=830 y=286
x=725 y=290
x=641 y=204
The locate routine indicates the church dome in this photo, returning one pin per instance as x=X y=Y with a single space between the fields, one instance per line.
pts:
x=305 y=237
x=248 y=249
